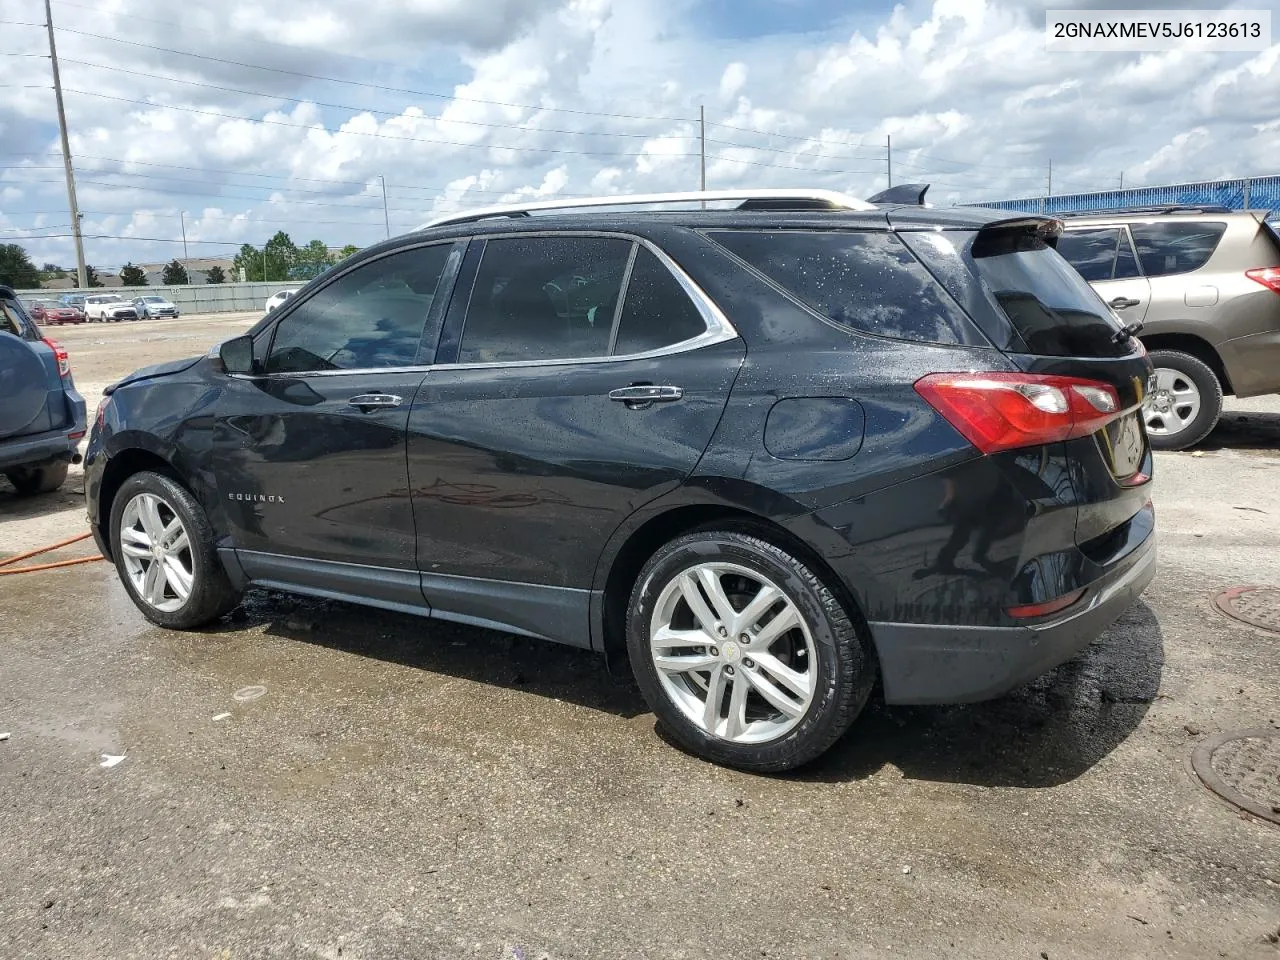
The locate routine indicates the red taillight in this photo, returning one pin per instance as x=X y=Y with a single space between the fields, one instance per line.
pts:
x=1004 y=411
x=1269 y=277
x=64 y=358
x=1046 y=608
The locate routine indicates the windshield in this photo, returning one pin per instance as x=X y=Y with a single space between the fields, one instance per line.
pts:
x=153 y=299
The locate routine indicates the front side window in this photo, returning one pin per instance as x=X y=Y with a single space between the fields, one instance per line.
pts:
x=372 y=317
x=1180 y=247
x=544 y=298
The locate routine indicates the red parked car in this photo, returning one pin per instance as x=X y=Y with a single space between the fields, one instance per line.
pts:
x=50 y=311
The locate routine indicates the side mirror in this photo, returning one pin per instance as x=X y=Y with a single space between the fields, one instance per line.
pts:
x=236 y=355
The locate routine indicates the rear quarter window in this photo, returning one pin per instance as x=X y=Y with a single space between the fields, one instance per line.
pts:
x=866 y=281
x=1165 y=249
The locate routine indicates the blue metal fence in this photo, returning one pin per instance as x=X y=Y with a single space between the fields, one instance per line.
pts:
x=1249 y=193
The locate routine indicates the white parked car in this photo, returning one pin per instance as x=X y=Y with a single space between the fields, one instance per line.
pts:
x=103 y=307
x=278 y=299
x=153 y=306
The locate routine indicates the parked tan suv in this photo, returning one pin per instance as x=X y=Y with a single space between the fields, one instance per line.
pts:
x=1205 y=285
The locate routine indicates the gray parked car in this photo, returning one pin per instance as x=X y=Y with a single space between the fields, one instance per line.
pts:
x=1205 y=285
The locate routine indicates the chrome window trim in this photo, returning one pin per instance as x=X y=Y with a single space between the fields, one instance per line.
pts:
x=718 y=328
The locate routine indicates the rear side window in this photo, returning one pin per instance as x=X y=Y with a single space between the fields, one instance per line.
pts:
x=544 y=298
x=657 y=312
x=866 y=281
x=1169 y=248
x=1099 y=255
x=1053 y=309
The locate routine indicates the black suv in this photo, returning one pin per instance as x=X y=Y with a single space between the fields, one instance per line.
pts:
x=765 y=454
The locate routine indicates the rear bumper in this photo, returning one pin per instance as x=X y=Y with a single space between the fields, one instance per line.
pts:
x=1253 y=363
x=41 y=448
x=963 y=664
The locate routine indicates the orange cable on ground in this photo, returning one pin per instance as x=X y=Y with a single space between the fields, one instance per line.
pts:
x=48 y=566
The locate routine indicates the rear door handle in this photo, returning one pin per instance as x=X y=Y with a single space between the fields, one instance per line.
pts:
x=1120 y=303
x=374 y=401
x=640 y=395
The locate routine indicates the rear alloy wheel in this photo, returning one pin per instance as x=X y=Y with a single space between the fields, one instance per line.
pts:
x=164 y=553
x=29 y=481
x=1186 y=403
x=744 y=654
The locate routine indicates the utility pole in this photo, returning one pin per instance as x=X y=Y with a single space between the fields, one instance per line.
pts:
x=182 y=217
x=386 y=217
x=888 y=157
x=1121 y=179
x=81 y=279
x=1050 y=193
x=264 y=263
x=702 y=153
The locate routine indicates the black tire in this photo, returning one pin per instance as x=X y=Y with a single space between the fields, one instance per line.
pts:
x=29 y=481
x=212 y=595
x=845 y=664
x=1210 y=389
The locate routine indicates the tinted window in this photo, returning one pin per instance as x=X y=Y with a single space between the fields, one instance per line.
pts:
x=544 y=298
x=866 y=281
x=372 y=317
x=1092 y=252
x=1165 y=248
x=657 y=312
x=1126 y=262
x=1050 y=305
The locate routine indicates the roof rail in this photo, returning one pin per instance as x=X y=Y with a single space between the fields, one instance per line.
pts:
x=1163 y=209
x=773 y=199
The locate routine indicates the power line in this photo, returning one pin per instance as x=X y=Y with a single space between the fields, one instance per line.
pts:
x=365 y=84
x=792 y=153
x=360 y=133
x=385 y=113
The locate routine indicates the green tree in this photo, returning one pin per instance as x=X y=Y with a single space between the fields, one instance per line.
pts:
x=175 y=274
x=281 y=256
x=312 y=260
x=349 y=250
x=132 y=276
x=91 y=276
x=215 y=275
x=249 y=263
x=16 y=268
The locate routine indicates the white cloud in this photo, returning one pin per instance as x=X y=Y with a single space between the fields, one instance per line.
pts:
x=732 y=81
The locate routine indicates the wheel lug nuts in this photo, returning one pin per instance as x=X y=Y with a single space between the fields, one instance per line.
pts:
x=729 y=671
x=748 y=663
x=722 y=631
x=715 y=651
x=745 y=638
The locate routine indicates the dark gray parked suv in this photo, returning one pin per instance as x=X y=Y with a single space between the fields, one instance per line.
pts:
x=1205 y=285
x=42 y=415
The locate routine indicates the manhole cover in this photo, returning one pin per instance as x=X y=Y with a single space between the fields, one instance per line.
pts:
x=1256 y=606
x=1244 y=769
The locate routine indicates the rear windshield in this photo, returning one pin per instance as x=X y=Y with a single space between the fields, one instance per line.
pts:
x=867 y=281
x=1180 y=247
x=1050 y=305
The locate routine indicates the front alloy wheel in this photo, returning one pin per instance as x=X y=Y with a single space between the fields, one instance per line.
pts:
x=165 y=554
x=156 y=549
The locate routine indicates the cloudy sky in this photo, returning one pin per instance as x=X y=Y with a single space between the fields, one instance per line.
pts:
x=253 y=118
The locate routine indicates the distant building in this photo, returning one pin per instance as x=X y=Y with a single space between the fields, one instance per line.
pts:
x=197 y=269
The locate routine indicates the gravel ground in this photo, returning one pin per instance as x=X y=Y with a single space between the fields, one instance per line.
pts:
x=407 y=788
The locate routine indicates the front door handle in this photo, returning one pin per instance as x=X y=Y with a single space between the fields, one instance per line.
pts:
x=1120 y=303
x=374 y=401
x=638 y=396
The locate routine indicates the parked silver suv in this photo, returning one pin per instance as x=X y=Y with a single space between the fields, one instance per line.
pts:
x=1205 y=285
